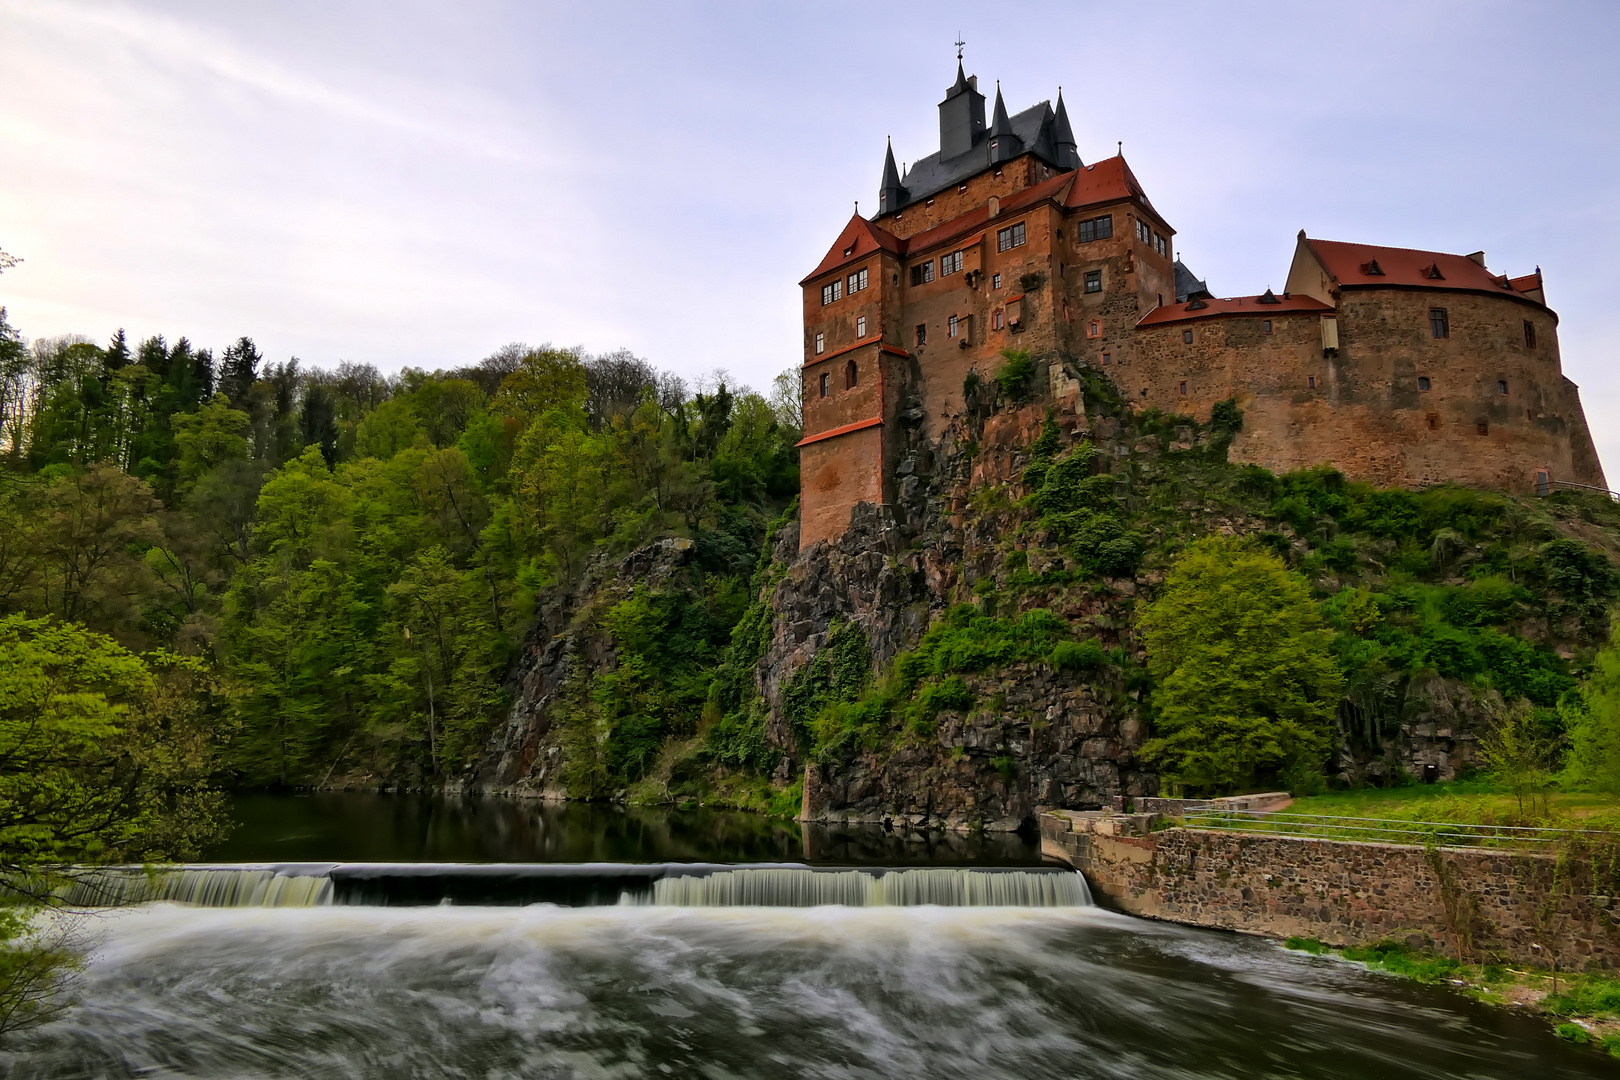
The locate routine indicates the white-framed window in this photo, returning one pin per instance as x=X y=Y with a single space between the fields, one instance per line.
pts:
x=1010 y=237
x=950 y=326
x=857 y=281
x=831 y=292
x=1161 y=245
x=997 y=319
x=950 y=264
x=1143 y=233
x=922 y=334
x=821 y=343
x=922 y=273
x=995 y=281
x=860 y=326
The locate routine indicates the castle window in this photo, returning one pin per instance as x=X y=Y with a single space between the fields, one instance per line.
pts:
x=922 y=273
x=1529 y=334
x=961 y=189
x=1010 y=237
x=831 y=292
x=1160 y=245
x=851 y=376
x=922 y=334
x=997 y=319
x=1095 y=329
x=857 y=281
x=1266 y=326
x=1501 y=386
x=1439 y=326
x=1143 y=233
x=1186 y=337
x=1108 y=358
x=860 y=326
x=1097 y=228
x=930 y=202
x=995 y=281
x=1423 y=383
x=821 y=344
x=950 y=326
x=824 y=381
x=1093 y=281
x=1483 y=427
x=950 y=264
x=1183 y=389
x=998 y=171
x=1434 y=421
x=1310 y=382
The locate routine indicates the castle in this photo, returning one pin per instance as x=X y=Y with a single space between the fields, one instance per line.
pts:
x=1395 y=366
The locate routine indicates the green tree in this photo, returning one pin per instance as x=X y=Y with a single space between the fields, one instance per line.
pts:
x=1594 y=723
x=213 y=434
x=1246 y=681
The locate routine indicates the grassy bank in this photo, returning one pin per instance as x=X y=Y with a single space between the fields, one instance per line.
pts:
x=1467 y=802
x=1583 y=1007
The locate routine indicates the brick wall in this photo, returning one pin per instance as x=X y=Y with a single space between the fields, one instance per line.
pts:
x=1483 y=905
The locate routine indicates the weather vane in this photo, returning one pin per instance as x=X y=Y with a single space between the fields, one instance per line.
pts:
x=959 y=43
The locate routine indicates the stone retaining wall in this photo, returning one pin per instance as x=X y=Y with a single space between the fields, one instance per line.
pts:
x=1481 y=905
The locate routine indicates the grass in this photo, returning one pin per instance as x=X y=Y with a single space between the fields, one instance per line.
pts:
x=1468 y=802
x=1587 y=1004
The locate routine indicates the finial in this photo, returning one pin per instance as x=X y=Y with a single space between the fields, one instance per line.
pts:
x=857 y=208
x=959 y=43
x=1122 y=148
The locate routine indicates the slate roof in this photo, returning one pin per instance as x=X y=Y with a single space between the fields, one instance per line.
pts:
x=930 y=175
x=1187 y=283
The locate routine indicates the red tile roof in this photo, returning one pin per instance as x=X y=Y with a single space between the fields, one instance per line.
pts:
x=859 y=239
x=859 y=425
x=1232 y=305
x=1369 y=265
x=1528 y=283
x=1106 y=181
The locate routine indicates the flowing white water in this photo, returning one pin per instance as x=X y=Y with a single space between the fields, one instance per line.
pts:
x=832 y=993
x=575 y=885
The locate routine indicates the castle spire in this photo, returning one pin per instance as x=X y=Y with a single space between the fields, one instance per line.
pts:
x=1004 y=144
x=1068 y=151
x=890 y=194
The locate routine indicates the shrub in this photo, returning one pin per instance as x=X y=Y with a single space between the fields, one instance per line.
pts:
x=1077 y=655
x=1012 y=381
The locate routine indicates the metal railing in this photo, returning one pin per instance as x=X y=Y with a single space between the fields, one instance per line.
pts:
x=1378 y=830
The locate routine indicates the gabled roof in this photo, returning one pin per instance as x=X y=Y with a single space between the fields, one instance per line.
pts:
x=1189 y=284
x=1371 y=265
x=1233 y=305
x=859 y=239
x=930 y=175
x=1108 y=180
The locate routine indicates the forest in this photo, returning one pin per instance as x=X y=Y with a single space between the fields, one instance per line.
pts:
x=356 y=556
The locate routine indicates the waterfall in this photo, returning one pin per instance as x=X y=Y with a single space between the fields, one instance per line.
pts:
x=198 y=886
x=572 y=885
x=802 y=887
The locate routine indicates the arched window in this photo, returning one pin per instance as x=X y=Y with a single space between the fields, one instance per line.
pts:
x=849 y=375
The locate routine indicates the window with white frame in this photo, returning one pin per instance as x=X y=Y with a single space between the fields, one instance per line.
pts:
x=1010 y=237
x=995 y=281
x=831 y=291
x=922 y=273
x=1161 y=245
x=1143 y=233
x=857 y=281
x=950 y=264
x=1093 y=281
x=821 y=344
x=950 y=326
x=860 y=326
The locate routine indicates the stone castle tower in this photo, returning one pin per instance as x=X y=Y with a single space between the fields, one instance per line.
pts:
x=1396 y=366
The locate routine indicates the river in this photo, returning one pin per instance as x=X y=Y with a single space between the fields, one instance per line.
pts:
x=643 y=987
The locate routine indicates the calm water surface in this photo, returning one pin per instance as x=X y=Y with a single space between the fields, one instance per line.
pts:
x=367 y=827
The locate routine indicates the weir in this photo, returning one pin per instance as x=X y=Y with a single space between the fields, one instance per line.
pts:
x=574 y=885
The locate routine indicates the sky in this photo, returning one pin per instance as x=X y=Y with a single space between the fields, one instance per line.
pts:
x=408 y=183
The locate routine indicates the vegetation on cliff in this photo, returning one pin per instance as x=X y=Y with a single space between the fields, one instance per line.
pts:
x=357 y=557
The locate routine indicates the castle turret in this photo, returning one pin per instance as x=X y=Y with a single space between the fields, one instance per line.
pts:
x=1004 y=144
x=961 y=116
x=891 y=195
x=1068 y=151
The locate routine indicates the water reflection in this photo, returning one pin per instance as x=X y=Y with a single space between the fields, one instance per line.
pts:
x=370 y=827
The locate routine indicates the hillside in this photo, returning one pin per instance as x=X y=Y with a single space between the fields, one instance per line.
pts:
x=974 y=652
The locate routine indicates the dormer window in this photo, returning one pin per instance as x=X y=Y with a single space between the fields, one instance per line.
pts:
x=1432 y=272
x=993 y=146
x=961 y=189
x=930 y=202
x=849 y=251
x=1372 y=269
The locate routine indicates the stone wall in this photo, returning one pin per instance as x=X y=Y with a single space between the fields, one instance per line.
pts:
x=1480 y=905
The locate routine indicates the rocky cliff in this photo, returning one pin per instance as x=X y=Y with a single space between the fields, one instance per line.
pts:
x=967 y=655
